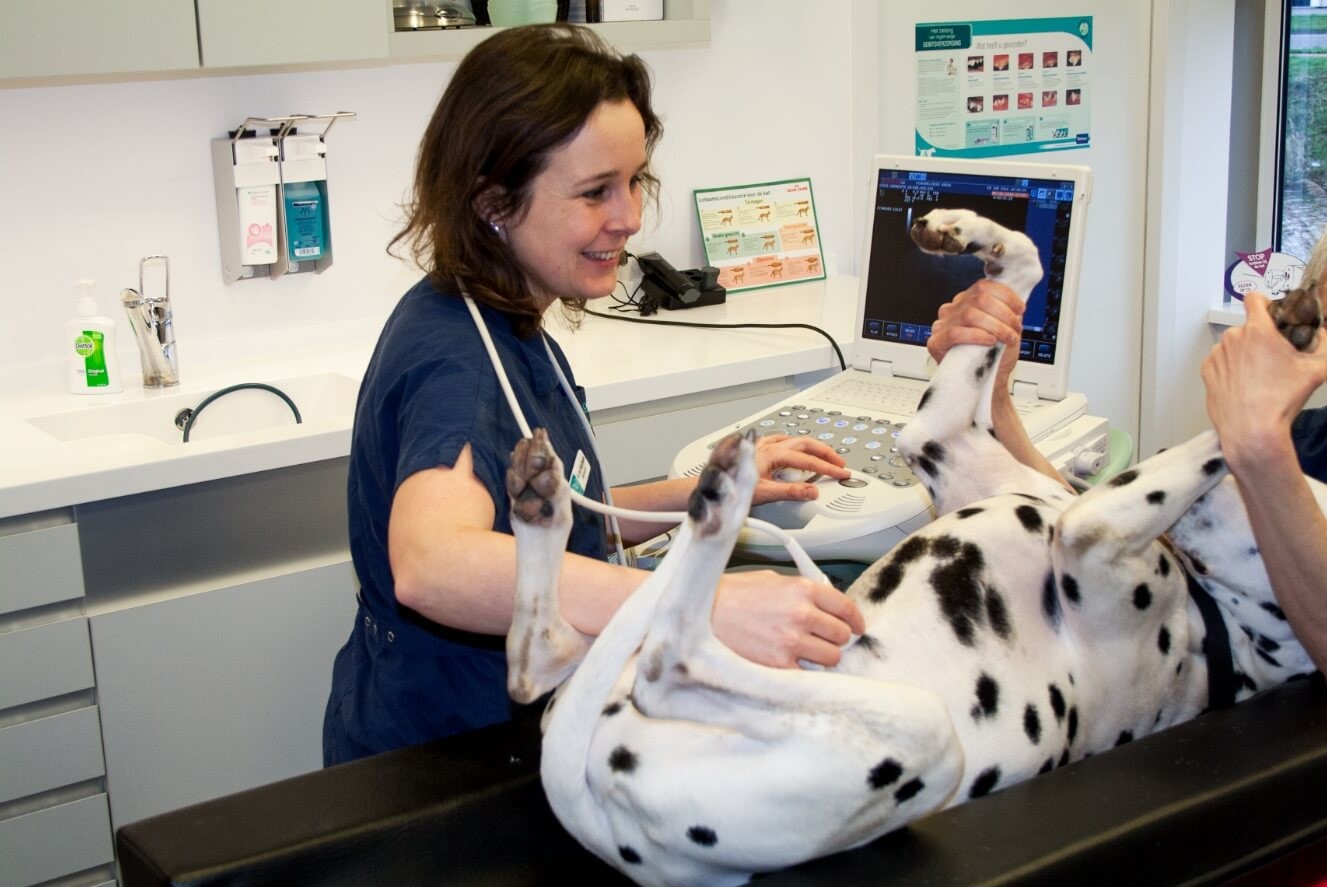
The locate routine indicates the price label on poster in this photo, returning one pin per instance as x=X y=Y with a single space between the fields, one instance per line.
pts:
x=1012 y=86
x=761 y=235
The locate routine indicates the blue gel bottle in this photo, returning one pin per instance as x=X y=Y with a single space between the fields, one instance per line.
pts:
x=306 y=221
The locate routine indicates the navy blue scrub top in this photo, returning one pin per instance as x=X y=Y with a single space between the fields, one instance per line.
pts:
x=1309 y=432
x=429 y=389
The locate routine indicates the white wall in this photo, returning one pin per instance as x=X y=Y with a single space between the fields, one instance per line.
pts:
x=93 y=177
x=1106 y=340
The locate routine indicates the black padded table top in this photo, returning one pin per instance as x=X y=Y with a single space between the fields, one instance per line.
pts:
x=1203 y=802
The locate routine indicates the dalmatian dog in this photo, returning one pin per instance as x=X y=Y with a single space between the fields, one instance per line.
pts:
x=1025 y=628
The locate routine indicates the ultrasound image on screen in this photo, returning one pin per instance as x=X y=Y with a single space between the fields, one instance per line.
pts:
x=906 y=287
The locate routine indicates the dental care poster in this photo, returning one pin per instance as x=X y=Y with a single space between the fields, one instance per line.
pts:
x=994 y=88
x=761 y=235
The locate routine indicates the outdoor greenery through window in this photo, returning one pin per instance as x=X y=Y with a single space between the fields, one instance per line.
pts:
x=1302 y=209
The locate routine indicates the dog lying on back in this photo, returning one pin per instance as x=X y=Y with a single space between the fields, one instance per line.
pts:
x=1023 y=629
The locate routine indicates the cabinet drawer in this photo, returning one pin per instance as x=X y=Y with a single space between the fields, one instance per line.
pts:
x=55 y=842
x=39 y=567
x=50 y=752
x=44 y=661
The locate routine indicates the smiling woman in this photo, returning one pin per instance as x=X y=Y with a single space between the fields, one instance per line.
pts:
x=531 y=177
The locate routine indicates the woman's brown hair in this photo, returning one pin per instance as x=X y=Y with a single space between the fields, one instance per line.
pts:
x=514 y=99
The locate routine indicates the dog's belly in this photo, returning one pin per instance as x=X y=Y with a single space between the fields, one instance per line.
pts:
x=968 y=608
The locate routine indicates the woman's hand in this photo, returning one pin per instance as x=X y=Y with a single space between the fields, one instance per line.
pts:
x=985 y=313
x=1257 y=382
x=799 y=454
x=776 y=620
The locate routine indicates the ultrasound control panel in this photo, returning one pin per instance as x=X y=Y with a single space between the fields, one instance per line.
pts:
x=868 y=444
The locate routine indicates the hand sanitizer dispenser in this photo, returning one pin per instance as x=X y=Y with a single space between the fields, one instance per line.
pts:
x=304 y=199
x=247 y=177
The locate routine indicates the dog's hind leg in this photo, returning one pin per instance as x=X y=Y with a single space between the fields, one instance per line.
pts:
x=542 y=647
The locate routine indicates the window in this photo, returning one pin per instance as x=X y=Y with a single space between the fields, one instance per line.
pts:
x=1301 y=205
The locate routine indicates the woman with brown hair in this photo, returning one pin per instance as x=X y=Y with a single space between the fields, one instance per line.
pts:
x=530 y=179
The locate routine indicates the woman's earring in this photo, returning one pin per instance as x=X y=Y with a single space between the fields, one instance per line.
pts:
x=497 y=229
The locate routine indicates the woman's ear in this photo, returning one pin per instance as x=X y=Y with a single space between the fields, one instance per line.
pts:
x=487 y=205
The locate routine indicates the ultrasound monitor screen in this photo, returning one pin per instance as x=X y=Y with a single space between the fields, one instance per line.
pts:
x=905 y=287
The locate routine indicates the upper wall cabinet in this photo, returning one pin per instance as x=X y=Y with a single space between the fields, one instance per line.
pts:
x=39 y=38
x=120 y=39
x=242 y=33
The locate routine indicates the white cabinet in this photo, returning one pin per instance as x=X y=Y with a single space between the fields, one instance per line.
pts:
x=215 y=611
x=53 y=819
x=39 y=38
x=235 y=33
x=219 y=691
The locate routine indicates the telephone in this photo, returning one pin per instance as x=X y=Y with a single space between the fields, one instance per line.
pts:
x=663 y=286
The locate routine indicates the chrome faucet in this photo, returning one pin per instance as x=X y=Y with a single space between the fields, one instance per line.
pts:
x=151 y=320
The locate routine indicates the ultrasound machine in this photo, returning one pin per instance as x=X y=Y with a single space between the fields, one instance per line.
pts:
x=861 y=410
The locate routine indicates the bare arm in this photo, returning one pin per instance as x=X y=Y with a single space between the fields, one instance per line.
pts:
x=984 y=314
x=452 y=568
x=1256 y=383
x=772 y=453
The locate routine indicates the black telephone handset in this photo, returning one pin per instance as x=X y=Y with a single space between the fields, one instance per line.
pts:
x=665 y=286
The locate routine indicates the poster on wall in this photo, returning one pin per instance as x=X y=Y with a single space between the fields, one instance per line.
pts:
x=1011 y=86
x=761 y=235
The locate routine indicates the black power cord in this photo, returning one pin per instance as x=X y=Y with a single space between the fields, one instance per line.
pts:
x=728 y=326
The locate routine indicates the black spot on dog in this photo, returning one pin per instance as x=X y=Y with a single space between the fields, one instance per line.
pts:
x=1047 y=767
x=870 y=644
x=982 y=785
x=611 y=709
x=1252 y=551
x=1064 y=758
x=1032 y=724
x=1268 y=658
x=622 y=760
x=1273 y=609
x=1179 y=667
x=1163 y=566
x=885 y=773
x=958 y=586
x=1124 y=477
x=887 y=582
x=908 y=790
x=964 y=513
x=1163 y=641
x=628 y=855
x=1156 y=497
x=926 y=466
x=998 y=614
x=988 y=698
x=1050 y=601
x=1050 y=533
x=933 y=451
x=926 y=397
x=1030 y=518
x=1266 y=644
x=1246 y=682
x=1213 y=465
x=946 y=547
x=1070 y=586
x=1031 y=498
x=1125 y=736
x=703 y=836
x=1142 y=597
x=1057 y=703
x=1073 y=724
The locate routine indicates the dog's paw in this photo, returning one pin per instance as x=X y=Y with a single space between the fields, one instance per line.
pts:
x=947 y=231
x=1298 y=315
x=534 y=479
x=717 y=485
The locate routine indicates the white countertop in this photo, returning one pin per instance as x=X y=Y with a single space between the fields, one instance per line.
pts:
x=619 y=364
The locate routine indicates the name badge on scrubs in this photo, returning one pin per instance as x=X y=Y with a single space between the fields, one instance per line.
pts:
x=580 y=473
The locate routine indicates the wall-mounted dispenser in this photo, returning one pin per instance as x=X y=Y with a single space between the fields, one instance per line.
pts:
x=273 y=214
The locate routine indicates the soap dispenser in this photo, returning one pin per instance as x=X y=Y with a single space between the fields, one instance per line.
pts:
x=94 y=366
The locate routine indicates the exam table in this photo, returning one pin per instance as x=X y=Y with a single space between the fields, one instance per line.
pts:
x=1238 y=794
